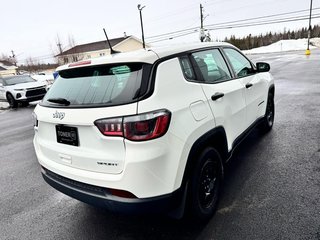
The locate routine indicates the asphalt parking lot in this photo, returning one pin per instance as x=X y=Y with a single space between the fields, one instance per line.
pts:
x=271 y=188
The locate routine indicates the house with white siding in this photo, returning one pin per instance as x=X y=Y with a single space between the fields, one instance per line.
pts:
x=7 y=68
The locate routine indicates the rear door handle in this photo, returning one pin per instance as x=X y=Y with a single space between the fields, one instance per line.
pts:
x=249 y=85
x=216 y=96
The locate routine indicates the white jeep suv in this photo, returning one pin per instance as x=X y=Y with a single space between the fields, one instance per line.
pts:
x=150 y=130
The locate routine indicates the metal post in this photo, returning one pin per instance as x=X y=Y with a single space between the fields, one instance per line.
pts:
x=140 y=10
x=201 y=24
x=309 y=30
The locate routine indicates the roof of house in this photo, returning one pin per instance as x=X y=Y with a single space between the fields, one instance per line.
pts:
x=6 y=63
x=95 y=46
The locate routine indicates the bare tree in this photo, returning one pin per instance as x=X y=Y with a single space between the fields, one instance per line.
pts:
x=72 y=42
x=59 y=44
x=10 y=59
x=32 y=65
x=76 y=56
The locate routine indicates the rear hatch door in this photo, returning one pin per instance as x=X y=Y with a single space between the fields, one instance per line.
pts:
x=66 y=130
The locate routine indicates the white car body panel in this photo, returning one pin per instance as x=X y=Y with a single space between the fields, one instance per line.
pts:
x=230 y=110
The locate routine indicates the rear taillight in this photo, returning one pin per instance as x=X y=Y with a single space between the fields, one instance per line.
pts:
x=110 y=127
x=136 y=128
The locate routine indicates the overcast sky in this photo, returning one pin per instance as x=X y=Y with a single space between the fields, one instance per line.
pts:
x=30 y=27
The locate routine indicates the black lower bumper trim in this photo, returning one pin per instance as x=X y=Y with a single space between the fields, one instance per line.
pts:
x=31 y=99
x=100 y=197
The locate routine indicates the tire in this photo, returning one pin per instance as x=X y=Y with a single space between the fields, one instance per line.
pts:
x=24 y=104
x=12 y=102
x=268 y=119
x=205 y=185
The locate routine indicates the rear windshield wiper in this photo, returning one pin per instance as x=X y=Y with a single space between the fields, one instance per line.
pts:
x=61 y=101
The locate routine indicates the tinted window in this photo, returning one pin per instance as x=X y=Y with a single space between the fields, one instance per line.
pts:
x=16 y=80
x=98 y=85
x=187 y=68
x=212 y=66
x=240 y=64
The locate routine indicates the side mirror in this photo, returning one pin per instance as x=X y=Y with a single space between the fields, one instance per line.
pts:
x=263 y=67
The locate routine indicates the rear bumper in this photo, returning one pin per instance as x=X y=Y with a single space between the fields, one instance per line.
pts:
x=101 y=197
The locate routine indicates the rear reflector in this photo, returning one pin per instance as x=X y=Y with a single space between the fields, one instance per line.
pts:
x=122 y=193
x=140 y=127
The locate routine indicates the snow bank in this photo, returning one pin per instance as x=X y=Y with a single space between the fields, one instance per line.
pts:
x=3 y=105
x=315 y=42
x=285 y=45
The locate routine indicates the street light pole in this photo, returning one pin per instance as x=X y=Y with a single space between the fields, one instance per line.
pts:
x=309 y=30
x=140 y=10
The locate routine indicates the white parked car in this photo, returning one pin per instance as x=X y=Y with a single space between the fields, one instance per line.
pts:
x=151 y=130
x=21 y=89
x=44 y=78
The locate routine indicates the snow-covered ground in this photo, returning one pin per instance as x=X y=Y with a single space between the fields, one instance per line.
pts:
x=286 y=45
x=3 y=106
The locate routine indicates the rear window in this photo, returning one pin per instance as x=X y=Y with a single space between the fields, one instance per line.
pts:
x=105 y=85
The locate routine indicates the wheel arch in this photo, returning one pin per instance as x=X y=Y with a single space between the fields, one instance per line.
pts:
x=271 y=89
x=215 y=138
x=7 y=93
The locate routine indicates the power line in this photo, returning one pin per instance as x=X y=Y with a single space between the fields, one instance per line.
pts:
x=268 y=16
x=300 y=18
x=237 y=21
x=180 y=35
x=221 y=25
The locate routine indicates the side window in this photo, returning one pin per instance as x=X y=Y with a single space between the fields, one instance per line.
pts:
x=212 y=66
x=187 y=68
x=240 y=64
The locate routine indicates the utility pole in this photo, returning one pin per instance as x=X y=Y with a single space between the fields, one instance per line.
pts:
x=140 y=10
x=13 y=58
x=309 y=30
x=202 y=35
x=60 y=47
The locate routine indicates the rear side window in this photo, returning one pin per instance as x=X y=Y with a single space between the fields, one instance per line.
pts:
x=240 y=64
x=187 y=68
x=105 y=85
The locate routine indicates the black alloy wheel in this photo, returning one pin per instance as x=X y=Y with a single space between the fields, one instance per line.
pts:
x=206 y=184
x=268 y=120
